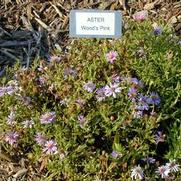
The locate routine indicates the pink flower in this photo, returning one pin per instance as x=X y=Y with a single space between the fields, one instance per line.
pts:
x=137 y=173
x=141 y=15
x=112 y=89
x=48 y=117
x=111 y=56
x=11 y=137
x=40 y=139
x=163 y=171
x=54 y=58
x=173 y=166
x=50 y=147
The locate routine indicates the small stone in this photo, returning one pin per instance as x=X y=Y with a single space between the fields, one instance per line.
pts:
x=20 y=173
x=179 y=18
x=173 y=20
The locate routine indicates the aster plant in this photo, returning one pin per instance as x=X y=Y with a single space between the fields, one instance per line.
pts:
x=106 y=109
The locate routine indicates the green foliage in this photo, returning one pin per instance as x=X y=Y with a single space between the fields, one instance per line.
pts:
x=84 y=149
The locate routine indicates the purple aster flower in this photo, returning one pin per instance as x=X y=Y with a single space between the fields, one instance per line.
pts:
x=12 y=87
x=153 y=99
x=28 y=123
x=163 y=171
x=136 y=82
x=132 y=93
x=11 y=137
x=137 y=173
x=48 y=117
x=149 y=160
x=89 y=86
x=40 y=139
x=100 y=94
x=112 y=89
x=138 y=114
x=50 y=147
x=2 y=91
x=140 y=16
x=142 y=103
x=82 y=120
x=116 y=154
x=173 y=166
x=11 y=118
x=157 y=30
x=54 y=58
x=111 y=56
x=10 y=90
x=159 y=137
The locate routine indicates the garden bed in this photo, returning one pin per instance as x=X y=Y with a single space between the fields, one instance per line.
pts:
x=98 y=109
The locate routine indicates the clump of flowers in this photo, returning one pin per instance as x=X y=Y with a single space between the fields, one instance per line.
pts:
x=49 y=147
x=167 y=169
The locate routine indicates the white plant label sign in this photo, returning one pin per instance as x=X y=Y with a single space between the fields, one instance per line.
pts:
x=95 y=24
